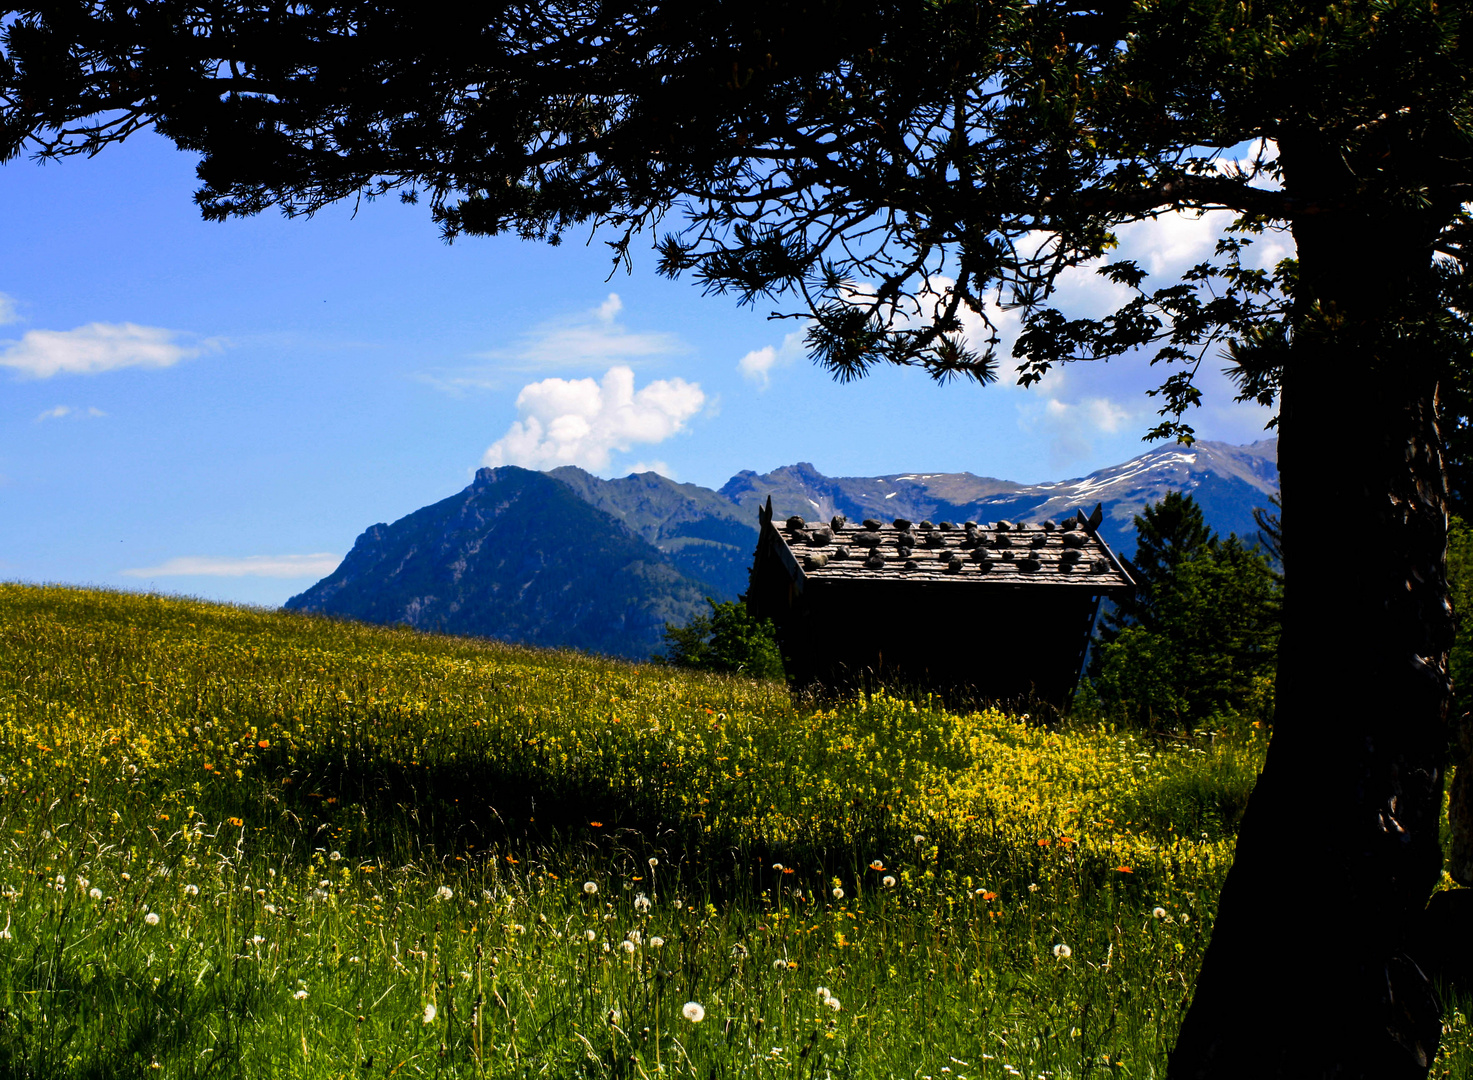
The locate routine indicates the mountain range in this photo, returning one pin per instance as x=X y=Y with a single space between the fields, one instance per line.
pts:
x=565 y=558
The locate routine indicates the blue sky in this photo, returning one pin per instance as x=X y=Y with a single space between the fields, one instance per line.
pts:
x=220 y=409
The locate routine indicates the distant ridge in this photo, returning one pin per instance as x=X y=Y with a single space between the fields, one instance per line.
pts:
x=565 y=558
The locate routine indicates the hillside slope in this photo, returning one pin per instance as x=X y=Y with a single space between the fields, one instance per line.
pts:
x=518 y=556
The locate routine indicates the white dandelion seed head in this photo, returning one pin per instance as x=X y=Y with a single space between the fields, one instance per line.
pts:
x=152 y=918
x=634 y=936
x=678 y=904
x=642 y=903
x=270 y=909
x=838 y=893
x=627 y=945
x=1062 y=951
x=319 y=894
x=823 y=993
x=606 y=946
x=95 y=893
x=654 y=862
x=61 y=879
x=430 y=1011
x=271 y=871
x=1158 y=913
x=590 y=887
x=888 y=881
x=832 y=1002
x=693 y=1011
x=1033 y=886
x=779 y=965
x=300 y=995
x=656 y=942
x=518 y=928
x=5 y=934
x=82 y=883
x=126 y=876
x=918 y=839
x=191 y=890
x=777 y=866
x=589 y=935
x=257 y=939
x=739 y=951
x=334 y=856
x=443 y=893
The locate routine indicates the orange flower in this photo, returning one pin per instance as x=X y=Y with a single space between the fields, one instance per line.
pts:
x=989 y=896
x=877 y=865
x=1044 y=842
x=1066 y=840
x=789 y=870
x=511 y=860
x=234 y=821
x=597 y=824
x=209 y=767
x=264 y=743
x=1125 y=869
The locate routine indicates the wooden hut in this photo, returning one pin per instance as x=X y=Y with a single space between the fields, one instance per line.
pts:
x=993 y=611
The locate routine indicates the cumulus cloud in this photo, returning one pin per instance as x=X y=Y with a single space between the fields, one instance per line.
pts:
x=98 y=347
x=758 y=364
x=269 y=566
x=582 y=422
x=8 y=314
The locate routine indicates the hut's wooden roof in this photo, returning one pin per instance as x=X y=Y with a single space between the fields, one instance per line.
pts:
x=1065 y=555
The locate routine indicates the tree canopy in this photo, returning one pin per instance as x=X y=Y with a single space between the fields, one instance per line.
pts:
x=897 y=172
x=1197 y=642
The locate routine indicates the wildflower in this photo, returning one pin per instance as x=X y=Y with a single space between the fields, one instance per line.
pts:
x=95 y=893
x=1062 y=951
x=777 y=866
x=918 y=839
x=590 y=887
x=832 y=1002
x=430 y=1011
x=642 y=903
x=654 y=862
x=319 y=895
x=656 y=942
x=739 y=951
x=877 y=865
x=838 y=893
x=152 y=918
x=888 y=881
x=823 y=993
x=518 y=928
x=988 y=895
x=82 y=883
x=257 y=939
x=334 y=856
x=270 y=909
x=1158 y=913
x=1033 y=886
x=271 y=871
x=61 y=879
x=191 y=890
x=126 y=876
x=694 y=1011
x=300 y=995
x=634 y=936
x=589 y=935
x=443 y=893
x=678 y=904
x=627 y=946
x=779 y=965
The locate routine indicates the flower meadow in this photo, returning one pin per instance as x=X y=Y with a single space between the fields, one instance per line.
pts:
x=248 y=843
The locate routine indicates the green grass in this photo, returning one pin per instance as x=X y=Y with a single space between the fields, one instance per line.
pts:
x=367 y=850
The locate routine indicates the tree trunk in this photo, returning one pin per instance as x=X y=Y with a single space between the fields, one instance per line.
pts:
x=1307 y=974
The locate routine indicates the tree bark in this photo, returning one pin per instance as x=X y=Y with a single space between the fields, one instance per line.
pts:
x=1307 y=974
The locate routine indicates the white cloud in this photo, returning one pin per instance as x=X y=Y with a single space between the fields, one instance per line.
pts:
x=582 y=422
x=270 y=566
x=593 y=339
x=757 y=365
x=8 y=313
x=1071 y=428
x=656 y=466
x=97 y=347
x=60 y=411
